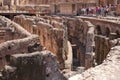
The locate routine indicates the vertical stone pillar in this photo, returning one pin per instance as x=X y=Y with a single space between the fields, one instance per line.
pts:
x=102 y=48
x=90 y=44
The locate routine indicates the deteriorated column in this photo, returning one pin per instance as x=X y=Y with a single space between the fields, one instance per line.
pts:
x=89 y=46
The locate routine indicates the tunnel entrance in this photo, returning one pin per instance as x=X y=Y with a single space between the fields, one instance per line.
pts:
x=76 y=58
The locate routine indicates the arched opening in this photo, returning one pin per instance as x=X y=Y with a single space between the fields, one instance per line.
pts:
x=98 y=30
x=107 y=32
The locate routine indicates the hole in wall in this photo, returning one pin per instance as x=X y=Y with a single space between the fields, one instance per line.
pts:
x=48 y=75
x=9 y=47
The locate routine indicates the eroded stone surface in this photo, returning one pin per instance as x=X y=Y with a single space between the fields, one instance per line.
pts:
x=34 y=66
x=14 y=43
x=108 y=70
x=88 y=44
x=51 y=34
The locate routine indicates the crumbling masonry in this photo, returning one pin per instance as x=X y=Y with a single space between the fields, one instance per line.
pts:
x=74 y=43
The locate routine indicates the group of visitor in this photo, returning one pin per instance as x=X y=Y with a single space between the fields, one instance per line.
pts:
x=98 y=11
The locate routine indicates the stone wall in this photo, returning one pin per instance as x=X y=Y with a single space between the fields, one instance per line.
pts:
x=34 y=66
x=66 y=8
x=106 y=51
x=21 y=40
x=51 y=34
x=57 y=6
x=81 y=33
x=102 y=35
x=20 y=2
x=105 y=26
x=56 y=33
x=78 y=32
x=9 y=31
x=16 y=46
x=106 y=32
x=37 y=2
x=71 y=7
x=13 y=64
x=110 y=66
x=90 y=46
x=77 y=35
x=102 y=48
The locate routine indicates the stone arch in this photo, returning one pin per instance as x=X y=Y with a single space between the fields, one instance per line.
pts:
x=107 y=31
x=98 y=28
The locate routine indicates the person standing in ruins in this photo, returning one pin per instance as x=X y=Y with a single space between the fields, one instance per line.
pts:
x=87 y=11
x=96 y=10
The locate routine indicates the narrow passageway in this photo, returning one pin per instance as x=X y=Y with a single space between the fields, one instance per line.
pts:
x=78 y=53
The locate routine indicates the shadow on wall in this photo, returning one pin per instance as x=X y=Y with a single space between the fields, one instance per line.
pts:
x=99 y=32
x=107 y=33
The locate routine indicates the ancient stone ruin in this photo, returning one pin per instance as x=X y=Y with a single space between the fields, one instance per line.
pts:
x=21 y=51
x=76 y=44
